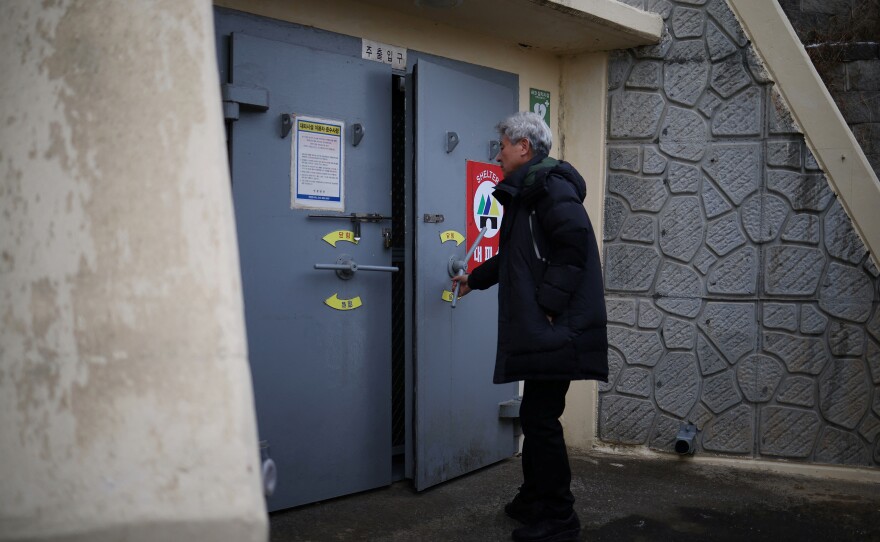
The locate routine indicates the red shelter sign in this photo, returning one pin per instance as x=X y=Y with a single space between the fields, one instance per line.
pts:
x=483 y=210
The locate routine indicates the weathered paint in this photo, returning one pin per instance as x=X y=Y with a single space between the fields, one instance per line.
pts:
x=123 y=374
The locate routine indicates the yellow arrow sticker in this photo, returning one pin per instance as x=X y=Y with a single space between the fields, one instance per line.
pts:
x=452 y=235
x=447 y=296
x=343 y=304
x=340 y=235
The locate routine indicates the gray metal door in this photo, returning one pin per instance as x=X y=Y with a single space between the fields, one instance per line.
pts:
x=321 y=366
x=457 y=422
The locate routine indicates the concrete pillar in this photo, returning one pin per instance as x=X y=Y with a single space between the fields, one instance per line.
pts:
x=583 y=88
x=126 y=409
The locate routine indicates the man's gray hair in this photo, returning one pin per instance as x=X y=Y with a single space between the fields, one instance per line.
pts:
x=526 y=125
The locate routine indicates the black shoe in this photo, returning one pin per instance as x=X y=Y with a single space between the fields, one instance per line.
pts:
x=550 y=530
x=523 y=511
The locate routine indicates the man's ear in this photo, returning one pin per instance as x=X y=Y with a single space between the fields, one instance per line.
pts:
x=525 y=146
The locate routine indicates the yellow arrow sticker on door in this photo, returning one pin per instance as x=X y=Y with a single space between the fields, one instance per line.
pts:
x=447 y=296
x=343 y=304
x=452 y=235
x=340 y=235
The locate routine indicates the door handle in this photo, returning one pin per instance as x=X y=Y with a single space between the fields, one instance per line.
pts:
x=458 y=267
x=346 y=267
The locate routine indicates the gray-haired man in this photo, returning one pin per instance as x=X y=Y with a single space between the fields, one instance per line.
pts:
x=551 y=314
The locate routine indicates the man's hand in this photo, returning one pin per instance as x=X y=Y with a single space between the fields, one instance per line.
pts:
x=463 y=287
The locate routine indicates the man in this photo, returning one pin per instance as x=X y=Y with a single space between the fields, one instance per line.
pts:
x=551 y=314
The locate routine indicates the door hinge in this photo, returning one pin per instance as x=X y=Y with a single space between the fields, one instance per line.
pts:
x=451 y=141
x=494 y=148
x=236 y=97
x=357 y=133
x=268 y=469
x=286 y=124
x=509 y=409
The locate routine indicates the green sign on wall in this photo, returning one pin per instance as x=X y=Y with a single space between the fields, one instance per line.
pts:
x=539 y=102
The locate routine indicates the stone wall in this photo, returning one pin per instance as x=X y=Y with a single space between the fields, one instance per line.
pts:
x=739 y=296
x=842 y=37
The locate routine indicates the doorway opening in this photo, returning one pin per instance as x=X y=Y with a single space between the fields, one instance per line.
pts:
x=399 y=325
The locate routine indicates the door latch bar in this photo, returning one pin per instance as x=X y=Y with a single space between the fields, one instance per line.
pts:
x=356 y=219
x=346 y=267
x=386 y=237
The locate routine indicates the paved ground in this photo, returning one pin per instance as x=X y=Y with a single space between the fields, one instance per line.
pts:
x=619 y=498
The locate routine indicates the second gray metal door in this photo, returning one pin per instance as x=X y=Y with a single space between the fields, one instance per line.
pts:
x=457 y=423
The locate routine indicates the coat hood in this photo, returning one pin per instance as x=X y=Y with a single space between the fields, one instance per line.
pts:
x=529 y=181
x=567 y=172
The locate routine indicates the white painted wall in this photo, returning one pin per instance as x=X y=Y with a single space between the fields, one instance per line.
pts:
x=125 y=397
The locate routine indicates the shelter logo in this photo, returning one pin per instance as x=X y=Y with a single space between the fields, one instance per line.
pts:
x=483 y=210
x=487 y=210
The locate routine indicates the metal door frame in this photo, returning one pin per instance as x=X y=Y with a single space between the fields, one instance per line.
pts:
x=227 y=21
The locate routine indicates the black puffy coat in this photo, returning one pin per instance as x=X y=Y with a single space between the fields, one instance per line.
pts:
x=547 y=264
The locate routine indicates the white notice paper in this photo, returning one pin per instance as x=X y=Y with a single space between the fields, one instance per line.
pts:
x=317 y=164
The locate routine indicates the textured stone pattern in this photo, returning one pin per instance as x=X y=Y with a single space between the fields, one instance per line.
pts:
x=740 y=298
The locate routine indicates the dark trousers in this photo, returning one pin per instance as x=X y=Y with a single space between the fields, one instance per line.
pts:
x=546 y=473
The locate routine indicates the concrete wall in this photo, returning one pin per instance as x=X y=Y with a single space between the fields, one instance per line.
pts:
x=125 y=398
x=740 y=297
x=850 y=68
